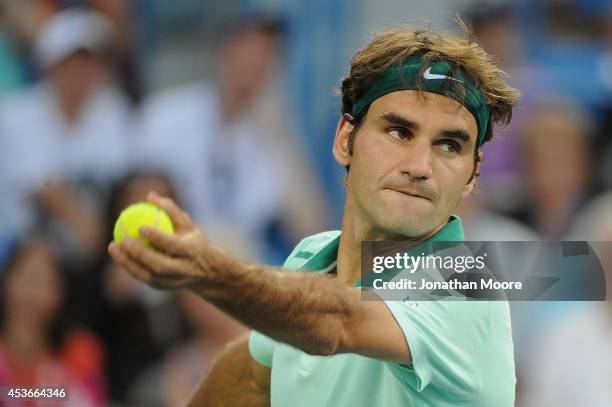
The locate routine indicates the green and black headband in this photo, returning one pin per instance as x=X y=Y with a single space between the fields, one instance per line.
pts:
x=434 y=78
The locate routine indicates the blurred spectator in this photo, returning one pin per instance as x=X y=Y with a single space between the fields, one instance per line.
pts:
x=555 y=148
x=36 y=346
x=138 y=324
x=229 y=144
x=211 y=331
x=495 y=26
x=141 y=325
x=64 y=139
x=21 y=22
x=569 y=360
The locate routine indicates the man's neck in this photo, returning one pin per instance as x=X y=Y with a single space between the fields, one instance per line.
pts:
x=355 y=230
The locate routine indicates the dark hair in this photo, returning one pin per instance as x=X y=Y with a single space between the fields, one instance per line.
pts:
x=392 y=47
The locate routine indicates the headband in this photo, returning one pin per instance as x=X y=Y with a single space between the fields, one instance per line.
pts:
x=404 y=77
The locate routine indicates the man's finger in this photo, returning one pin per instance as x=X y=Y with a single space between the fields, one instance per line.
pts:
x=128 y=264
x=152 y=260
x=180 y=219
x=167 y=243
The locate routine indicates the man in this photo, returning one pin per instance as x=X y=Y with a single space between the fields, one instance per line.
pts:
x=557 y=183
x=64 y=140
x=417 y=107
x=226 y=145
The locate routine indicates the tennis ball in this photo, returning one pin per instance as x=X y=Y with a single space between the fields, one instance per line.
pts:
x=137 y=215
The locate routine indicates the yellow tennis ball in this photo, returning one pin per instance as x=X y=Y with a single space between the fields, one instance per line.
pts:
x=141 y=214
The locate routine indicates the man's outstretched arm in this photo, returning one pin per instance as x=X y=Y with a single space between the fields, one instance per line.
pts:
x=235 y=379
x=315 y=314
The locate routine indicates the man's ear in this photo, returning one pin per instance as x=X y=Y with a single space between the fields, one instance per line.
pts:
x=471 y=186
x=341 y=142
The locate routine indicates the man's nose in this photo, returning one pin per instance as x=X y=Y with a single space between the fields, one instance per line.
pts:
x=416 y=159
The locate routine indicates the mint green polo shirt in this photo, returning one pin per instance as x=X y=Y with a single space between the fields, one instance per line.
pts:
x=462 y=351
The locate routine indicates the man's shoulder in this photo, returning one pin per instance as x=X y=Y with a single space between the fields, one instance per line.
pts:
x=308 y=247
x=317 y=241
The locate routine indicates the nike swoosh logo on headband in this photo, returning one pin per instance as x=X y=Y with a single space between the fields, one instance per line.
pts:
x=429 y=76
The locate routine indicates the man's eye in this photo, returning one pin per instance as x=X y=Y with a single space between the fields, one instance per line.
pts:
x=398 y=133
x=450 y=146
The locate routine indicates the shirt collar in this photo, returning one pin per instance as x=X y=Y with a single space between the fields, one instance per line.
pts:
x=327 y=252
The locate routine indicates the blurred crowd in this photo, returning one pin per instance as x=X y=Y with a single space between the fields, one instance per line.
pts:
x=91 y=119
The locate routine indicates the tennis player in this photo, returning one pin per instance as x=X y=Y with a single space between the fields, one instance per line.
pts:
x=417 y=107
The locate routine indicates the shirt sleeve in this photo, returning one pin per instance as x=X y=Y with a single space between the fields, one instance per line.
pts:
x=261 y=348
x=446 y=339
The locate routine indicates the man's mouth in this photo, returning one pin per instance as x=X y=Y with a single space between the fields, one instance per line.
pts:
x=410 y=193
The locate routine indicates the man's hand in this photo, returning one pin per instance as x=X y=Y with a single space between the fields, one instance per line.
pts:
x=184 y=259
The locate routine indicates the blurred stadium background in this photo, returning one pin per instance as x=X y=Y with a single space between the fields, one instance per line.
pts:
x=230 y=107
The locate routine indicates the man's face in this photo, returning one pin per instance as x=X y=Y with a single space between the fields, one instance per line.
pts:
x=412 y=159
x=77 y=74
